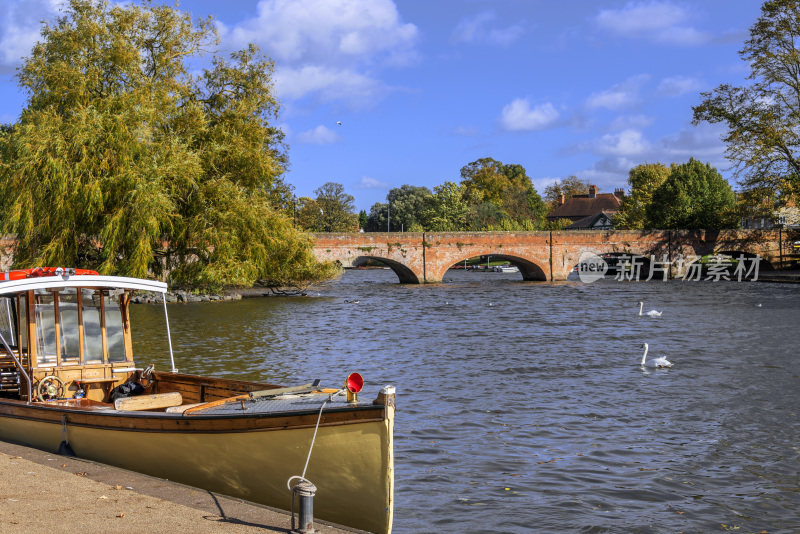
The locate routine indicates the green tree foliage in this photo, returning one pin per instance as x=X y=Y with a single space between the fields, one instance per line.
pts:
x=569 y=186
x=337 y=208
x=362 y=220
x=121 y=156
x=763 y=119
x=643 y=181
x=308 y=215
x=694 y=196
x=505 y=186
x=377 y=218
x=447 y=209
x=484 y=216
x=408 y=204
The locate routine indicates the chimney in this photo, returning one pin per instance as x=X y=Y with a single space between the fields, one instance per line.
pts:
x=592 y=191
x=619 y=193
x=560 y=200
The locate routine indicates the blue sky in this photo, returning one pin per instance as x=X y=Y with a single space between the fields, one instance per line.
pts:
x=579 y=87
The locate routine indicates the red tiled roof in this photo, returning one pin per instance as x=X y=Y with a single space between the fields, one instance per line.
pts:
x=581 y=206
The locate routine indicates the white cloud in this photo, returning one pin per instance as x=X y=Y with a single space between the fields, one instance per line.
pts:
x=479 y=28
x=320 y=135
x=328 y=47
x=518 y=116
x=659 y=21
x=623 y=151
x=371 y=183
x=679 y=85
x=620 y=96
x=624 y=122
x=327 y=30
x=328 y=84
x=625 y=143
x=20 y=24
x=699 y=142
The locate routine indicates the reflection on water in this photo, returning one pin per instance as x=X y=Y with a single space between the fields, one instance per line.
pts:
x=522 y=407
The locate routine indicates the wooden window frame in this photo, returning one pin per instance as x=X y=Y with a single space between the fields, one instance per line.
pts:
x=29 y=322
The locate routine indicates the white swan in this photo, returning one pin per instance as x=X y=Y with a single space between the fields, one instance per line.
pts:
x=651 y=313
x=659 y=363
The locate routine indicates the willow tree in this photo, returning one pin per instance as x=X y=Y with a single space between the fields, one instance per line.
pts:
x=124 y=162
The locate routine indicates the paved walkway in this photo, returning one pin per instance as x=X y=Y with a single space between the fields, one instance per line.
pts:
x=45 y=492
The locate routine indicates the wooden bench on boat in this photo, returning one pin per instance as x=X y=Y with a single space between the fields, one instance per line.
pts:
x=156 y=401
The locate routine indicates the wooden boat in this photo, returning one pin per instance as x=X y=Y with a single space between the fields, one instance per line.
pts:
x=66 y=350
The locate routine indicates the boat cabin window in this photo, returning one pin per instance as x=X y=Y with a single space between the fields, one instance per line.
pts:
x=92 y=327
x=69 y=320
x=74 y=326
x=22 y=322
x=8 y=327
x=44 y=311
x=115 y=338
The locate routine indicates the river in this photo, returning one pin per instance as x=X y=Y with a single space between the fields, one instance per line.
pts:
x=522 y=406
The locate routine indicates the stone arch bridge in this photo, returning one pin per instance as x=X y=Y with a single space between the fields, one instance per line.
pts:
x=425 y=257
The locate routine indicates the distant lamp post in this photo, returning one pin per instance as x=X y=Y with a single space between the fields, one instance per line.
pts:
x=388 y=215
x=321 y=215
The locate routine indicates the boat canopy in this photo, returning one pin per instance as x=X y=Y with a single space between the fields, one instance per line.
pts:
x=8 y=287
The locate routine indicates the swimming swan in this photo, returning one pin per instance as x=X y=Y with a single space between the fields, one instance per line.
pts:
x=651 y=313
x=659 y=363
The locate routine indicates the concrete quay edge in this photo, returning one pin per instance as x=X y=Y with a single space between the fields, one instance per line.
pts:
x=43 y=491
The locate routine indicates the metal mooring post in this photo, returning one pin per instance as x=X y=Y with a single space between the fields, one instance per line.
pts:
x=305 y=492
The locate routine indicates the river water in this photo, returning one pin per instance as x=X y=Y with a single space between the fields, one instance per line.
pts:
x=522 y=406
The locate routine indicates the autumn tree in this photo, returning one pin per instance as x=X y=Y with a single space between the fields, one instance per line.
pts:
x=643 y=181
x=124 y=162
x=763 y=119
x=308 y=215
x=693 y=196
x=505 y=186
x=569 y=186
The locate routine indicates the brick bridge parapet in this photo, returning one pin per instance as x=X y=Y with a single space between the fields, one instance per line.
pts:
x=425 y=257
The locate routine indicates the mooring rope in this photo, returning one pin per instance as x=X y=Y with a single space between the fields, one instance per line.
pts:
x=311 y=448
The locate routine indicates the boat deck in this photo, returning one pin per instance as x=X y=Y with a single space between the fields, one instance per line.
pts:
x=283 y=404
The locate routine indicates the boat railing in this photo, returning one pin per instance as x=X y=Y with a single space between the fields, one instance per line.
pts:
x=18 y=364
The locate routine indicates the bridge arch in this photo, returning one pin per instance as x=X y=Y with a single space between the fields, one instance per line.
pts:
x=529 y=269
x=406 y=275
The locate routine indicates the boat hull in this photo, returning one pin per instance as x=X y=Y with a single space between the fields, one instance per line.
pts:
x=248 y=457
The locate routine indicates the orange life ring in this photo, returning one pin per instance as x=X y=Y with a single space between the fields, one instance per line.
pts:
x=21 y=274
